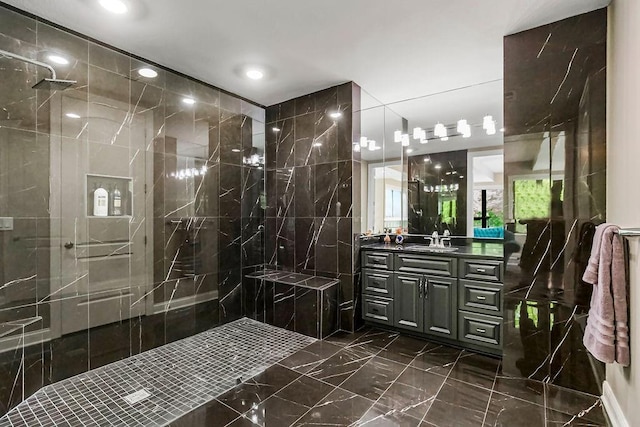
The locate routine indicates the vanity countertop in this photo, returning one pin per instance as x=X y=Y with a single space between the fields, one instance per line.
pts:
x=473 y=250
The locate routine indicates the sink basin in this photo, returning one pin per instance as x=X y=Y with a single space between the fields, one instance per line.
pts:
x=425 y=248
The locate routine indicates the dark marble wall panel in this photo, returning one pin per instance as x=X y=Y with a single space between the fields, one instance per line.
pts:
x=191 y=177
x=309 y=161
x=555 y=98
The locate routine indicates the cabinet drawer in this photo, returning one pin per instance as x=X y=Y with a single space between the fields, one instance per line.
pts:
x=376 y=282
x=480 y=329
x=436 y=266
x=382 y=260
x=480 y=297
x=481 y=269
x=377 y=309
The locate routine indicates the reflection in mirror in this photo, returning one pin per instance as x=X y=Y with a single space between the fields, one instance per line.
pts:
x=434 y=163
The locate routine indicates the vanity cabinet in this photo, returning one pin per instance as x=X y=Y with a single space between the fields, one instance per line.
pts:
x=449 y=298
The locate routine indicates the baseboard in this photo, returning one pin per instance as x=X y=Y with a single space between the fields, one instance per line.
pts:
x=611 y=405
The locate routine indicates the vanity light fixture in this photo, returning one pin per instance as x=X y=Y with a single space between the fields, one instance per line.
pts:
x=440 y=130
x=405 y=140
x=73 y=115
x=254 y=74
x=356 y=147
x=397 y=136
x=409 y=150
x=462 y=124
x=57 y=59
x=335 y=115
x=189 y=101
x=364 y=142
x=114 y=6
x=148 y=73
x=417 y=133
x=486 y=122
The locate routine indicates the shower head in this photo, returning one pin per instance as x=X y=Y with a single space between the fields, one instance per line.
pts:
x=54 y=84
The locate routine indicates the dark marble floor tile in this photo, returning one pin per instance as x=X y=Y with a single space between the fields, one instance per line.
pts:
x=403 y=349
x=213 y=413
x=374 y=340
x=560 y=419
x=344 y=338
x=574 y=402
x=523 y=388
x=374 y=377
x=276 y=412
x=475 y=369
x=239 y=422
x=341 y=365
x=340 y=408
x=464 y=403
x=508 y=411
x=438 y=359
x=311 y=356
x=257 y=389
x=413 y=392
x=423 y=380
x=380 y=416
x=305 y=391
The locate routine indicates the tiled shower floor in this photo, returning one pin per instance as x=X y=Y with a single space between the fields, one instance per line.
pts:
x=178 y=377
x=377 y=378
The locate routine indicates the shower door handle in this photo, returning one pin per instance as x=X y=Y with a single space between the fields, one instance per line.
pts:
x=68 y=245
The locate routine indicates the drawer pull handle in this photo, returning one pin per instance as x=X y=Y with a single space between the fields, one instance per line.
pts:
x=482 y=331
x=481 y=298
x=481 y=270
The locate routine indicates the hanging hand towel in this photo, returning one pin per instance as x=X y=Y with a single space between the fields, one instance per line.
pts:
x=607 y=333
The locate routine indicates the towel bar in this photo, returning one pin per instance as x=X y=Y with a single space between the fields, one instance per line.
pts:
x=629 y=232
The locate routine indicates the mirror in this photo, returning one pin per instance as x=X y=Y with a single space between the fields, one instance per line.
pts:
x=434 y=163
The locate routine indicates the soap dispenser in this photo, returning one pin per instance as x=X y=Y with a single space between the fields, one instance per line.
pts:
x=100 y=202
x=116 y=202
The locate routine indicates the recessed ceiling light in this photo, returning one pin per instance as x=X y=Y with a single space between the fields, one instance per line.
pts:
x=148 y=73
x=189 y=101
x=254 y=74
x=438 y=166
x=60 y=60
x=317 y=144
x=235 y=150
x=114 y=6
x=409 y=150
x=335 y=115
x=73 y=115
x=275 y=129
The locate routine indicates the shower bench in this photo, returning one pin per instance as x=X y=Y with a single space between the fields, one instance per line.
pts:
x=294 y=301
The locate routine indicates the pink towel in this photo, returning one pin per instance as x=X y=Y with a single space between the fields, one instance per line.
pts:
x=607 y=333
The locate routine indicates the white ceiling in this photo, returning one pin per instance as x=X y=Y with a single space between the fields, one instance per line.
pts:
x=396 y=49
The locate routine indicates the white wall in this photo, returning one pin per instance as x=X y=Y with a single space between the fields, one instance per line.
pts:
x=623 y=186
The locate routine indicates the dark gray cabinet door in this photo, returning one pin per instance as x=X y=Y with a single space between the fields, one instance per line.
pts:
x=408 y=306
x=440 y=306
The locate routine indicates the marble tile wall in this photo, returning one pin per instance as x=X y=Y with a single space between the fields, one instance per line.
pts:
x=311 y=176
x=87 y=290
x=555 y=98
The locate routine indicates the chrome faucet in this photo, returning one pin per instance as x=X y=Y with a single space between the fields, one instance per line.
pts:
x=435 y=240
x=445 y=238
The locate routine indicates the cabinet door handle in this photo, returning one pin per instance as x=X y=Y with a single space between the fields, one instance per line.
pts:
x=425 y=289
x=482 y=331
x=481 y=298
x=481 y=270
x=420 y=288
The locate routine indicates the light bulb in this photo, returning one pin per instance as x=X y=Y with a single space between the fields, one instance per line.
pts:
x=148 y=73
x=397 y=136
x=486 y=122
x=416 y=133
